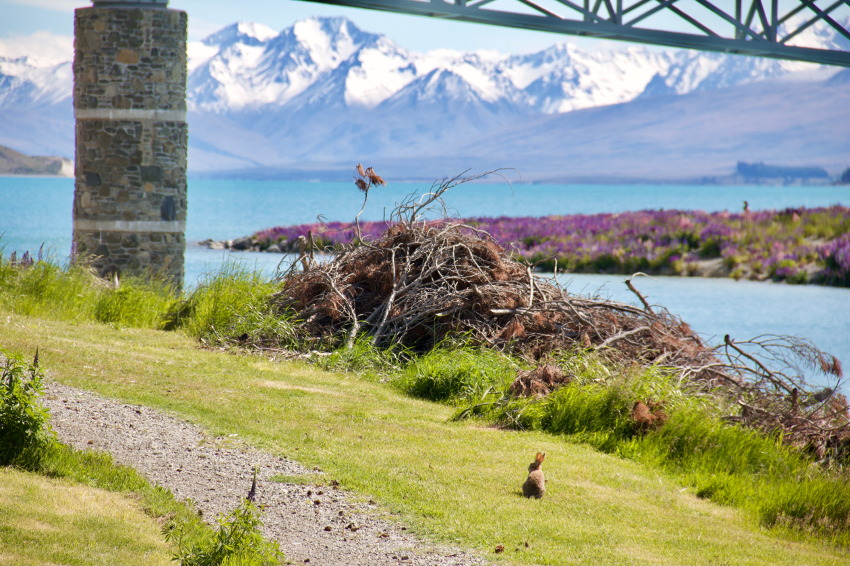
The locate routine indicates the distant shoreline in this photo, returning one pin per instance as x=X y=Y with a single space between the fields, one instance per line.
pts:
x=795 y=245
x=34 y=176
x=708 y=268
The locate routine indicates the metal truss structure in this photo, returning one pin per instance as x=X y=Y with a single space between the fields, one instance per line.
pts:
x=749 y=27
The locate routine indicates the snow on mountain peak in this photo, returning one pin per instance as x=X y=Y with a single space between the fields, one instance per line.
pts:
x=248 y=33
x=41 y=49
x=260 y=32
x=246 y=66
x=330 y=41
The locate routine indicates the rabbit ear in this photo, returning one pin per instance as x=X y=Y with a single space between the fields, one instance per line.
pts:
x=540 y=457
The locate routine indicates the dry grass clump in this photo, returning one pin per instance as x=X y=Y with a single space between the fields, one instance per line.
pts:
x=539 y=382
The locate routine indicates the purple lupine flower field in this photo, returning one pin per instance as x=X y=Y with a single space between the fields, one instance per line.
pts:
x=802 y=245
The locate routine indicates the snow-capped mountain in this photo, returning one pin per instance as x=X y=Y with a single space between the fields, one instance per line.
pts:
x=323 y=90
x=247 y=66
x=27 y=81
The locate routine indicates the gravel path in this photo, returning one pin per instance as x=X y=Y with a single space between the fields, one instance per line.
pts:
x=313 y=524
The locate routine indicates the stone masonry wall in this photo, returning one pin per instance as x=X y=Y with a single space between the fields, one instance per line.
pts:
x=130 y=59
x=131 y=137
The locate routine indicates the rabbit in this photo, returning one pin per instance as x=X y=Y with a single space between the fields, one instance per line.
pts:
x=535 y=485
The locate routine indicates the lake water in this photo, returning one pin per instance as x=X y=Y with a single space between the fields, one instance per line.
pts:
x=38 y=210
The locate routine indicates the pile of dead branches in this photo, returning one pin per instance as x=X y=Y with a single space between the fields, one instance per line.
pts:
x=422 y=282
x=776 y=398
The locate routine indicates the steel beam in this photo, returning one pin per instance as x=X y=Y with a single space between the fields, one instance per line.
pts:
x=757 y=35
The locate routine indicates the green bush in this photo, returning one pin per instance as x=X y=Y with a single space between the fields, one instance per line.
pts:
x=237 y=541
x=24 y=424
x=457 y=373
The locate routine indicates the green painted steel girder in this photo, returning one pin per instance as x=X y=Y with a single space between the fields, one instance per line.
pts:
x=754 y=29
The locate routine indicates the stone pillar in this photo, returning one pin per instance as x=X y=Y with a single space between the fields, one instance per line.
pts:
x=131 y=137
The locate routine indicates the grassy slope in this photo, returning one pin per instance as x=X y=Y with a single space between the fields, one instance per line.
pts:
x=57 y=521
x=457 y=482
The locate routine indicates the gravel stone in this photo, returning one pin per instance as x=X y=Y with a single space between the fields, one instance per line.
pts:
x=322 y=527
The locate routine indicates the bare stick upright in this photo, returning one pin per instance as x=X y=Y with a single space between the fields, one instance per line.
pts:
x=131 y=137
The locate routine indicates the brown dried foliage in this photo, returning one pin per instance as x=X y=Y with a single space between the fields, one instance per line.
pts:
x=539 y=382
x=418 y=284
x=648 y=417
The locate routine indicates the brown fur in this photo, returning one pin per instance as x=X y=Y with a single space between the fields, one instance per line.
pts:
x=535 y=485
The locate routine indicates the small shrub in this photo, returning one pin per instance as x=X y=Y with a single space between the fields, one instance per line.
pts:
x=457 y=373
x=24 y=424
x=237 y=541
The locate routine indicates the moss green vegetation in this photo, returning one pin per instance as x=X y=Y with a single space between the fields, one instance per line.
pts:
x=454 y=480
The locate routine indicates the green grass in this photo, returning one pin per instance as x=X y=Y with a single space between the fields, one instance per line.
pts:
x=455 y=481
x=93 y=477
x=229 y=303
x=728 y=464
x=79 y=507
x=58 y=521
x=34 y=510
x=75 y=293
x=775 y=487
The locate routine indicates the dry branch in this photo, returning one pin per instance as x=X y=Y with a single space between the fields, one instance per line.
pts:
x=422 y=282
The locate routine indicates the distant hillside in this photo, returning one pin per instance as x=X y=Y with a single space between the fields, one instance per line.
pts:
x=762 y=171
x=697 y=137
x=16 y=163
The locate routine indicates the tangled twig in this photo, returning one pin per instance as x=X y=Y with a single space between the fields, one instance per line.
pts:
x=422 y=282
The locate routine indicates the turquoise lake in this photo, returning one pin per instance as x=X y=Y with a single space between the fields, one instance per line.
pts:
x=38 y=210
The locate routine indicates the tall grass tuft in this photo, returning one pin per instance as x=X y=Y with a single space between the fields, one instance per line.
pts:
x=457 y=373
x=231 y=302
x=74 y=292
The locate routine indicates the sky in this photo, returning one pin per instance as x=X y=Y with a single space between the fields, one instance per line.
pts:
x=46 y=26
x=22 y=18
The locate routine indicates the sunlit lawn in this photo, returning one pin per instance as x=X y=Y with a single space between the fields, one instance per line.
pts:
x=57 y=521
x=453 y=482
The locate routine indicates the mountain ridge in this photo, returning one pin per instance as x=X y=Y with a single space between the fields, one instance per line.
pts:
x=16 y=163
x=325 y=91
